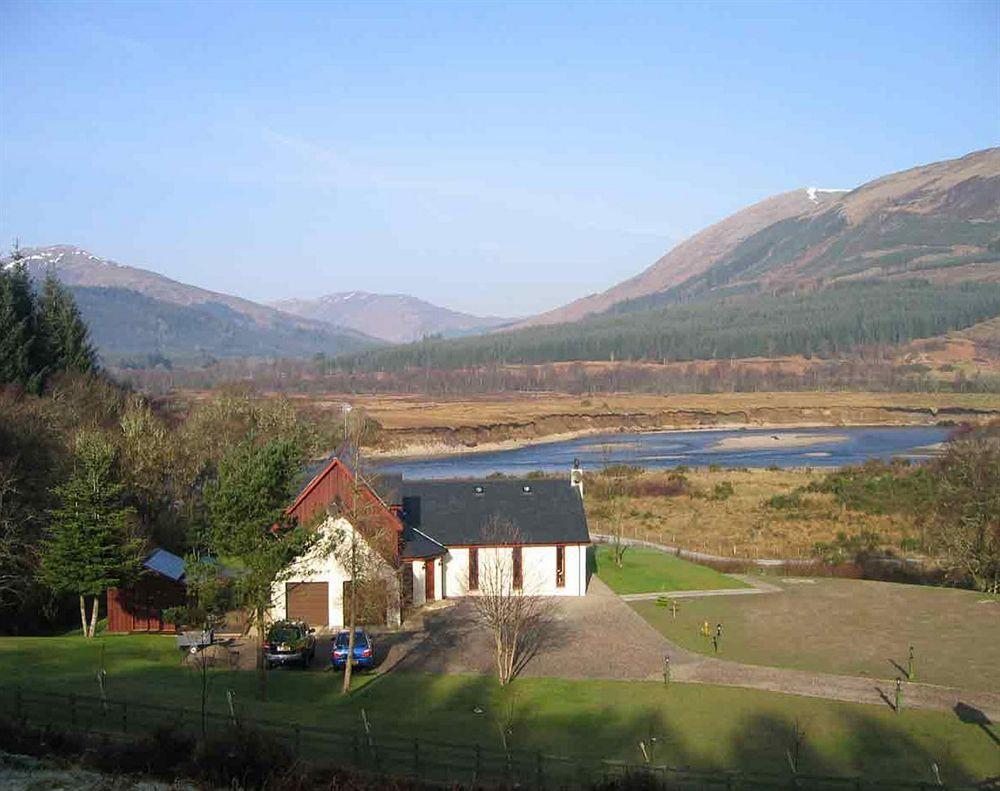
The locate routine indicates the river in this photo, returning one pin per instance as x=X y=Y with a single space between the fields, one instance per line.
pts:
x=796 y=447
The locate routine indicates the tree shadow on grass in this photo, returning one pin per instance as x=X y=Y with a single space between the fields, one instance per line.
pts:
x=879 y=747
x=777 y=745
x=973 y=716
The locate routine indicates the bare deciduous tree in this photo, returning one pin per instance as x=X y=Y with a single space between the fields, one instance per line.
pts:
x=366 y=549
x=612 y=512
x=18 y=553
x=505 y=603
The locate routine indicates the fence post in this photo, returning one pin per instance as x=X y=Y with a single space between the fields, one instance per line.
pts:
x=124 y=717
x=539 y=775
x=298 y=740
x=354 y=747
x=72 y=708
x=478 y=766
x=17 y=704
x=416 y=758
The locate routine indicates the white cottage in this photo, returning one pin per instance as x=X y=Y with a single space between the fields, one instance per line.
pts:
x=444 y=533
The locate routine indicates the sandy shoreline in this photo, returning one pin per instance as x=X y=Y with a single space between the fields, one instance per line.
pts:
x=777 y=440
x=432 y=450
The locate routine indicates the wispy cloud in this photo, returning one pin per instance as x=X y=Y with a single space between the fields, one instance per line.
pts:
x=327 y=165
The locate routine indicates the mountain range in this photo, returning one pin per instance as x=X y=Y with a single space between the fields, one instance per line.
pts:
x=906 y=256
x=139 y=317
x=136 y=315
x=909 y=255
x=397 y=318
x=937 y=220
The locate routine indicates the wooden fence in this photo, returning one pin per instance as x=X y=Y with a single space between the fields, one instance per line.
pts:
x=449 y=764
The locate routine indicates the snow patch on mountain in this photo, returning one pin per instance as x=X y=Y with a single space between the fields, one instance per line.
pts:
x=812 y=192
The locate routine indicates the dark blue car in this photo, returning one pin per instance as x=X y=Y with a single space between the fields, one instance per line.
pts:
x=364 y=650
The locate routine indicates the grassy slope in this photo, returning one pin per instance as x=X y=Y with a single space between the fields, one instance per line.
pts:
x=851 y=627
x=694 y=725
x=649 y=571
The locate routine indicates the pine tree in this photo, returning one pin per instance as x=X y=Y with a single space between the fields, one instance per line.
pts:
x=246 y=505
x=91 y=545
x=64 y=335
x=18 y=326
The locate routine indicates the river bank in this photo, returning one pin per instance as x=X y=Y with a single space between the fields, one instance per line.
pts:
x=718 y=447
x=413 y=426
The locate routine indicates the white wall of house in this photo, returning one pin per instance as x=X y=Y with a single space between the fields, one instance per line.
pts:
x=538 y=565
x=320 y=564
x=418 y=583
x=420 y=579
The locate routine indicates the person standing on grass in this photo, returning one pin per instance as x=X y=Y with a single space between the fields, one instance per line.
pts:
x=718 y=630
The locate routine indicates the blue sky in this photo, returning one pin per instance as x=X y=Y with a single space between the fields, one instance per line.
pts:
x=493 y=158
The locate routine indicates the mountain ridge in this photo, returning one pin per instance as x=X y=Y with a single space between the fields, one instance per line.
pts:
x=906 y=256
x=940 y=202
x=136 y=312
x=397 y=318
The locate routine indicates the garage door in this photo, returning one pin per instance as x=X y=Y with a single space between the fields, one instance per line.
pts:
x=309 y=602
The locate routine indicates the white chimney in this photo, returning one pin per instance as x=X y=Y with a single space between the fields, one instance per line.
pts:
x=576 y=477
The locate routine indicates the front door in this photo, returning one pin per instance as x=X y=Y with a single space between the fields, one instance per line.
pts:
x=429 y=580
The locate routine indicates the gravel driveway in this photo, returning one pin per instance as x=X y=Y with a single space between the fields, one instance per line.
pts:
x=592 y=636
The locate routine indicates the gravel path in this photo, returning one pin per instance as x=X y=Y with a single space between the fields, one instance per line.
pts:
x=756 y=584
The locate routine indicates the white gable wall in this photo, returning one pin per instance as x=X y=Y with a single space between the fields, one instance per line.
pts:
x=321 y=565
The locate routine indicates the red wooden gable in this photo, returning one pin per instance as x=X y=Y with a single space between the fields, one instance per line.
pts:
x=335 y=484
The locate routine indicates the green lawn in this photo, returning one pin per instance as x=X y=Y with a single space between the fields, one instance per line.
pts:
x=851 y=627
x=650 y=571
x=690 y=725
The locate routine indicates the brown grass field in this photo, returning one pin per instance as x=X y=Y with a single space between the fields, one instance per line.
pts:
x=743 y=525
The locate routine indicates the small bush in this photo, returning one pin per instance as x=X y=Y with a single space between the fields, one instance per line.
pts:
x=160 y=753
x=844 y=548
x=675 y=485
x=621 y=471
x=241 y=758
x=723 y=490
x=714 y=468
x=788 y=501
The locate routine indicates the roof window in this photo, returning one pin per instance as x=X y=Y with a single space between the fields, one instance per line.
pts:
x=526 y=489
x=479 y=490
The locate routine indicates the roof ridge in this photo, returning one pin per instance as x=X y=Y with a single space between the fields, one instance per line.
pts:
x=429 y=538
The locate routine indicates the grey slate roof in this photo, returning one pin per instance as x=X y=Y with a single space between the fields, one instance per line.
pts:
x=166 y=564
x=416 y=545
x=455 y=513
